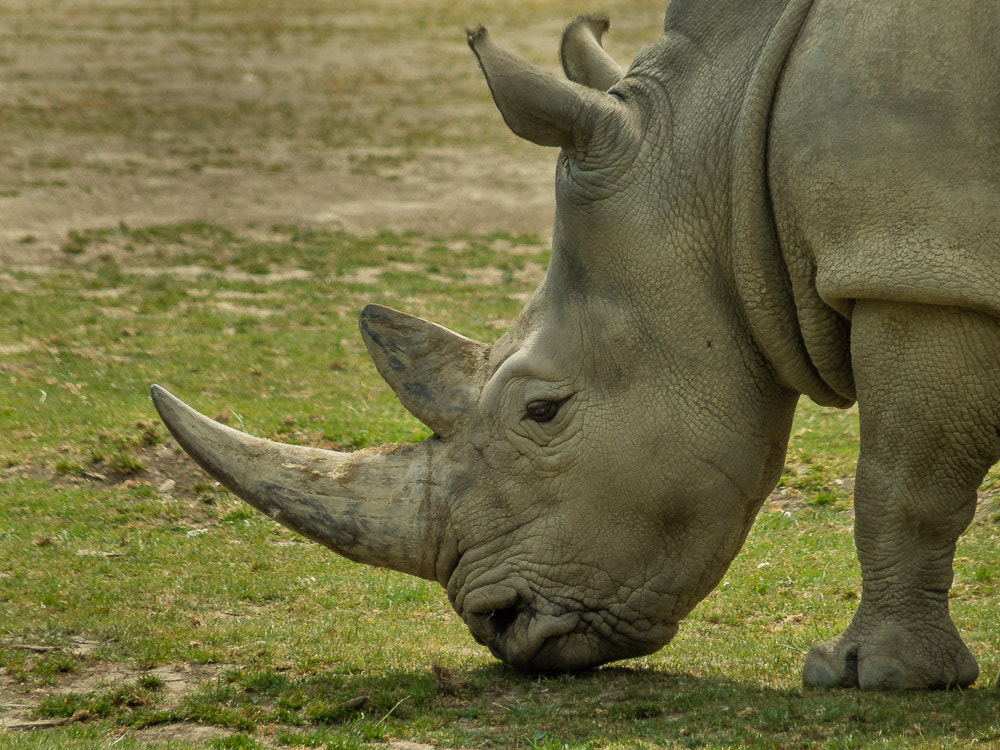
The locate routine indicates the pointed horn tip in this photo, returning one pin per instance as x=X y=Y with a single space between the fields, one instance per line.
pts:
x=170 y=408
x=371 y=310
x=159 y=395
x=173 y=411
x=167 y=405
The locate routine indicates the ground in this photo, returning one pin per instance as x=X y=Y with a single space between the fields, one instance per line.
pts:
x=237 y=114
x=249 y=115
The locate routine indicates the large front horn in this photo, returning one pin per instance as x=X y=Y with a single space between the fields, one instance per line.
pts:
x=376 y=506
x=548 y=110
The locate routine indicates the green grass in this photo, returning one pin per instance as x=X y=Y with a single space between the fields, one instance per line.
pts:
x=116 y=588
x=298 y=648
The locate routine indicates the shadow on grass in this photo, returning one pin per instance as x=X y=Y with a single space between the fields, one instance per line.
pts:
x=492 y=705
x=649 y=705
x=624 y=706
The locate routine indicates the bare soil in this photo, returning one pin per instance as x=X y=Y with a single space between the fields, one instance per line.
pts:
x=251 y=113
x=20 y=699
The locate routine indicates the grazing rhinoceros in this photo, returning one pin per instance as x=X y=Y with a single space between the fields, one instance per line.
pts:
x=777 y=197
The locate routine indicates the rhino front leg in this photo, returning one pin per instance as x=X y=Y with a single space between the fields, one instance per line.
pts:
x=928 y=380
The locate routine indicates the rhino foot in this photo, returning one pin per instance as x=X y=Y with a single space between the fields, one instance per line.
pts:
x=892 y=657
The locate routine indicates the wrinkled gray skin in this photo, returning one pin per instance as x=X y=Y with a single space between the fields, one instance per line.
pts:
x=778 y=197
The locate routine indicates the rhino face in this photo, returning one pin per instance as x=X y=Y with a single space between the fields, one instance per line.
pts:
x=599 y=500
x=568 y=547
x=594 y=471
x=559 y=556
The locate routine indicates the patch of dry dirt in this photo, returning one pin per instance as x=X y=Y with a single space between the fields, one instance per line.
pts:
x=17 y=701
x=168 y=470
x=242 y=112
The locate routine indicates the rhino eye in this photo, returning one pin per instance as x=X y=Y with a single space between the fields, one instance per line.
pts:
x=542 y=411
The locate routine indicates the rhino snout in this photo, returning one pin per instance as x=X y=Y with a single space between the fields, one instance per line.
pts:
x=489 y=628
x=530 y=640
x=531 y=634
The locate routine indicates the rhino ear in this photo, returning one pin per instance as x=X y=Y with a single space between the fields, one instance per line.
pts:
x=544 y=109
x=432 y=370
x=583 y=57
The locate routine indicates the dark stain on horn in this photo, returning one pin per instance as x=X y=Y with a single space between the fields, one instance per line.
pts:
x=432 y=370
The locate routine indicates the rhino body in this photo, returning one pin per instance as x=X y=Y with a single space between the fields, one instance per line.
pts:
x=777 y=198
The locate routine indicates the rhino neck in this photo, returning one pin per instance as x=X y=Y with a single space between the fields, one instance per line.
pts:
x=806 y=342
x=736 y=51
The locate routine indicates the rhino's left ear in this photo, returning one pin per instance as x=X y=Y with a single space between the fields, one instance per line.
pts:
x=432 y=370
x=548 y=110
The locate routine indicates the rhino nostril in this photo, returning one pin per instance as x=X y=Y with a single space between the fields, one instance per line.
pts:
x=500 y=620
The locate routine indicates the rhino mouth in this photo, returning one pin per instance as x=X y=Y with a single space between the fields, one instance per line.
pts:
x=530 y=640
x=525 y=639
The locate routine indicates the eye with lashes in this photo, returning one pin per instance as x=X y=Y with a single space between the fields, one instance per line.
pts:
x=542 y=410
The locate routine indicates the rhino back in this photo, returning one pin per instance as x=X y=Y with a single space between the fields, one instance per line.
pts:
x=884 y=162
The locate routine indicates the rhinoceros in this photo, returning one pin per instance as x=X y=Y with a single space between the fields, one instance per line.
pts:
x=776 y=198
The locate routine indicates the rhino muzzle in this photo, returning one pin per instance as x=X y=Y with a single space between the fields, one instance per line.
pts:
x=532 y=634
x=531 y=642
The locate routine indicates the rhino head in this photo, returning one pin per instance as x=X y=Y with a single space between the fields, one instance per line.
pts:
x=594 y=471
